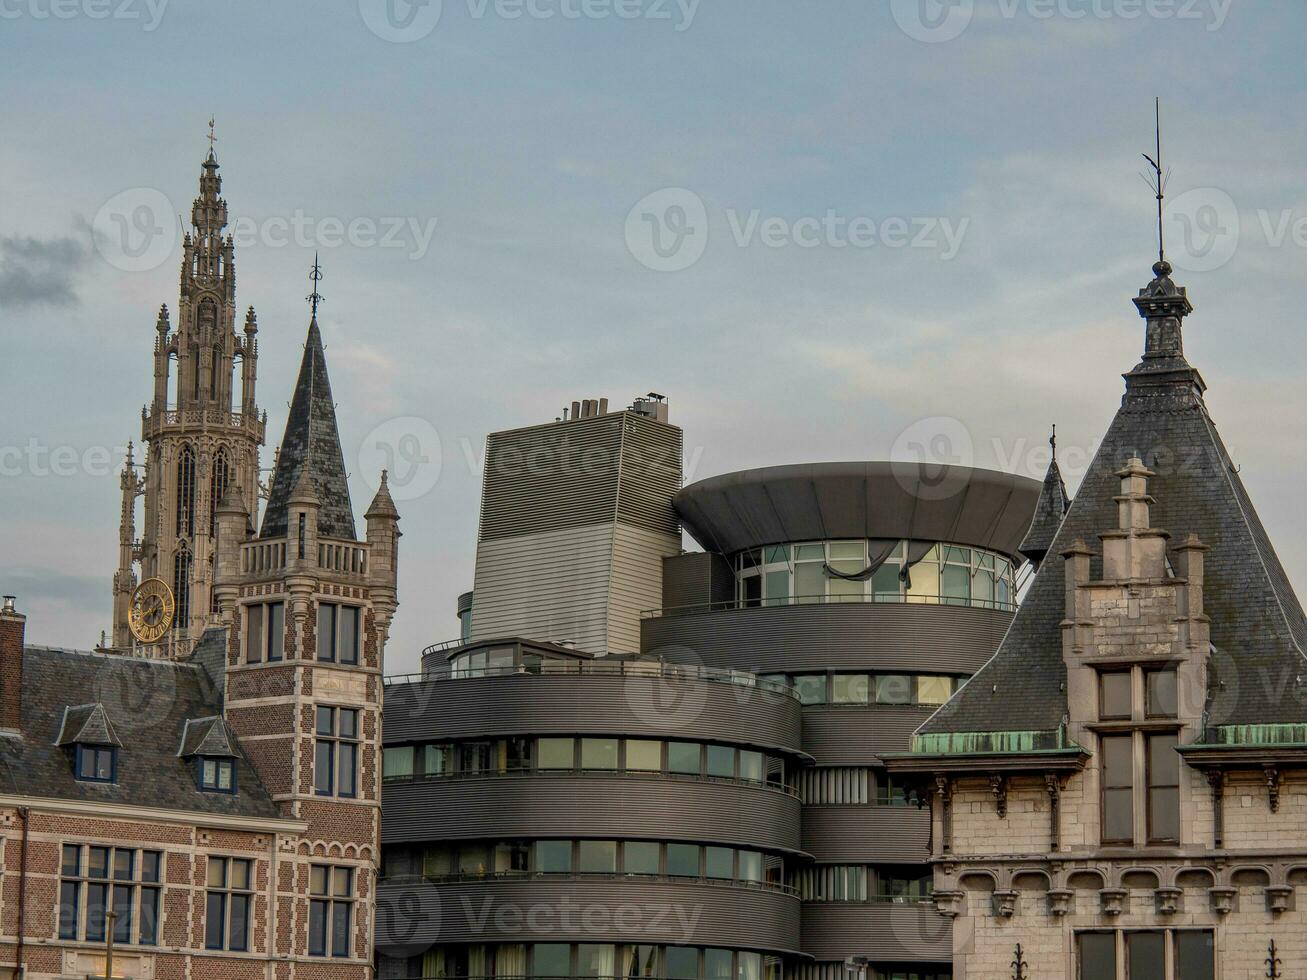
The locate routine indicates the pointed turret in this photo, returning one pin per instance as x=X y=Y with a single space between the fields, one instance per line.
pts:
x=310 y=450
x=1049 y=511
x=1257 y=624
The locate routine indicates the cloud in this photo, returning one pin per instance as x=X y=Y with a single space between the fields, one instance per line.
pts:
x=35 y=271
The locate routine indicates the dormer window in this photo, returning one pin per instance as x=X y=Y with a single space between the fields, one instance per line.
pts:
x=96 y=763
x=88 y=736
x=211 y=747
x=216 y=774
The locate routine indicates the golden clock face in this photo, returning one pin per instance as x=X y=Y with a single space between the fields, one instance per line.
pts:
x=152 y=610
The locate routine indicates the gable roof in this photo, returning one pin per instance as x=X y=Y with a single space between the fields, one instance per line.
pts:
x=310 y=448
x=144 y=705
x=1258 y=628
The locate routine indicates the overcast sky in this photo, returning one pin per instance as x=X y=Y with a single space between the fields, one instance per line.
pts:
x=825 y=230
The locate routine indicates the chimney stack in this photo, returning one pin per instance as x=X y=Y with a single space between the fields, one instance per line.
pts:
x=13 y=628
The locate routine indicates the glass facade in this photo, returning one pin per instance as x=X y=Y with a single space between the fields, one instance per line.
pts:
x=874 y=571
x=603 y=961
x=591 y=754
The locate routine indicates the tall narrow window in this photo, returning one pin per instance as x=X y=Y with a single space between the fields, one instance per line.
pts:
x=181 y=586
x=1096 y=952
x=1163 y=789
x=219 y=481
x=1114 y=695
x=331 y=910
x=186 y=493
x=1145 y=954
x=338 y=633
x=1117 y=777
x=227 y=907
x=335 y=757
x=215 y=363
x=1195 y=955
x=265 y=632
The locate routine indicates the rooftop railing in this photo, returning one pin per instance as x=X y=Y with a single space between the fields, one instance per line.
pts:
x=602 y=667
x=474 y=878
x=885 y=598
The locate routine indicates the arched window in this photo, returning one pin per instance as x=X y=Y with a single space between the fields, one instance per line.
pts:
x=214 y=366
x=186 y=493
x=181 y=586
x=218 y=484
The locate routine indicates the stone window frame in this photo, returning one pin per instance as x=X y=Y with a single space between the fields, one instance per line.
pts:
x=1120 y=967
x=329 y=901
x=1141 y=726
x=339 y=742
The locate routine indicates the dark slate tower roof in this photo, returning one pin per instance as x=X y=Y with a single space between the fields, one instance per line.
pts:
x=1049 y=511
x=311 y=444
x=1257 y=625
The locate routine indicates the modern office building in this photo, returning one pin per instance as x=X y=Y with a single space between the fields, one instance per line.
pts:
x=704 y=797
x=575 y=522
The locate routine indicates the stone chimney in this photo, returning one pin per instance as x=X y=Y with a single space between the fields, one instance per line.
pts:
x=13 y=628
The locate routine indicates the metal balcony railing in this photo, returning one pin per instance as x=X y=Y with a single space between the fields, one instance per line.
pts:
x=879 y=598
x=601 y=667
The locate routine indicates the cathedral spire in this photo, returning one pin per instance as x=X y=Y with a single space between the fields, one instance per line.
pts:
x=310 y=450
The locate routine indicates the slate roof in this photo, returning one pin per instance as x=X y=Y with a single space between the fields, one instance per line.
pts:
x=1049 y=511
x=86 y=724
x=207 y=737
x=146 y=703
x=311 y=443
x=1257 y=625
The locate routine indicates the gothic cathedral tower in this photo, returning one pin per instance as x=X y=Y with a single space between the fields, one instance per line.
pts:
x=200 y=443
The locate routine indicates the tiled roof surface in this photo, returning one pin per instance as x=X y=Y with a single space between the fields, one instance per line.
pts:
x=147 y=703
x=311 y=443
x=1257 y=625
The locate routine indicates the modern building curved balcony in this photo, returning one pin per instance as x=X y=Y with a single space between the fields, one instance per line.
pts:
x=414 y=914
x=603 y=696
x=828 y=635
x=595 y=805
x=835 y=834
x=838 y=734
x=886 y=932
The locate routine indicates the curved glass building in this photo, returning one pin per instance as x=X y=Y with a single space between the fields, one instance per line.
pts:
x=691 y=790
x=873 y=590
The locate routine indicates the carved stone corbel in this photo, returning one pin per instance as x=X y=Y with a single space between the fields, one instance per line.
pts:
x=1273 y=787
x=998 y=788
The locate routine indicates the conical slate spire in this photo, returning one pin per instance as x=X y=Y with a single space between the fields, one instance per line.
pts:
x=311 y=446
x=1257 y=625
x=1049 y=511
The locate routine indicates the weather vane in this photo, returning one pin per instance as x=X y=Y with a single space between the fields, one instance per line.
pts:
x=316 y=276
x=212 y=139
x=1156 y=181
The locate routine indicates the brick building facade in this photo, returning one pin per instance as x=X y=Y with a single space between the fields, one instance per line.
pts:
x=210 y=799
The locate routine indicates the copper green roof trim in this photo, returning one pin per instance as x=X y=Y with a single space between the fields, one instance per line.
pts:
x=1259 y=735
x=991 y=743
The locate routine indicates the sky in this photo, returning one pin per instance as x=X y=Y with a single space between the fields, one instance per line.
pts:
x=830 y=230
